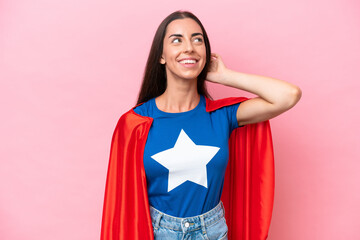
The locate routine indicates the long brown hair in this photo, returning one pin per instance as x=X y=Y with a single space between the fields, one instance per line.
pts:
x=154 y=81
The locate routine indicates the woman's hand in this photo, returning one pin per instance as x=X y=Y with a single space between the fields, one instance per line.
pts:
x=217 y=70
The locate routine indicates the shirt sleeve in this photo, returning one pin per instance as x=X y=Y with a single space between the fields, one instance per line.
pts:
x=231 y=114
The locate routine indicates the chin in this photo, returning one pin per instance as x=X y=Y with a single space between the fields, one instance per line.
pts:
x=191 y=75
x=186 y=75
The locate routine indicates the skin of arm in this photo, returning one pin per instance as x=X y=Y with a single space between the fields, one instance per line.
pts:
x=274 y=96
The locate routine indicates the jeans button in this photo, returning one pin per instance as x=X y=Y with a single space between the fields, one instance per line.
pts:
x=187 y=224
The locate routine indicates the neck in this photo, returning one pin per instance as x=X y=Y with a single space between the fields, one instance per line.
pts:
x=179 y=96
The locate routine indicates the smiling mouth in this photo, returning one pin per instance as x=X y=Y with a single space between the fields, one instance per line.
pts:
x=188 y=61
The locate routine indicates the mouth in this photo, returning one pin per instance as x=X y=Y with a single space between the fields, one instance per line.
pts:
x=188 y=62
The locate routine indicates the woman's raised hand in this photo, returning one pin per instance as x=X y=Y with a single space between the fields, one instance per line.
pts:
x=217 y=69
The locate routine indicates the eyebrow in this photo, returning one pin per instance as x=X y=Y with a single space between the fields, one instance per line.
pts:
x=179 y=35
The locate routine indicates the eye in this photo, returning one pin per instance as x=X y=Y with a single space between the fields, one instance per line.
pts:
x=198 y=39
x=176 y=40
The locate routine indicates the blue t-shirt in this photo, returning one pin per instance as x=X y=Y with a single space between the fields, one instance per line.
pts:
x=185 y=157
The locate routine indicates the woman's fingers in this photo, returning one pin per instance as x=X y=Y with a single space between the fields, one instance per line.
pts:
x=214 y=55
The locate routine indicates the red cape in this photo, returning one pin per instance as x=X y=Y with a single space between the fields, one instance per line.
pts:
x=248 y=191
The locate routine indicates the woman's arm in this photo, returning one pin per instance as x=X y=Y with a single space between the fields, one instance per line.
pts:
x=274 y=96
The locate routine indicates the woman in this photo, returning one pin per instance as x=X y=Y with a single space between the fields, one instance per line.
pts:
x=169 y=153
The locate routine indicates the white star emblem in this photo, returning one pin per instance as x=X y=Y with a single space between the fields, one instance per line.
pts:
x=186 y=161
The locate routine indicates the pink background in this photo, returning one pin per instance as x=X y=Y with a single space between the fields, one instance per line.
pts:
x=69 y=69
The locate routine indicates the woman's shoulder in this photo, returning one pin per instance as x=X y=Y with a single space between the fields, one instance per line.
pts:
x=144 y=108
x=134 y=116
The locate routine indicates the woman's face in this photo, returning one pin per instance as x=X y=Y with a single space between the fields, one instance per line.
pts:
x=184 y=52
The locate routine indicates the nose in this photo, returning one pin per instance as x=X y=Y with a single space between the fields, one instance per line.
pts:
x=188 y=46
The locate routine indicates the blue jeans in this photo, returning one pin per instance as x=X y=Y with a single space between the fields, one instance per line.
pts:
x=209 y=226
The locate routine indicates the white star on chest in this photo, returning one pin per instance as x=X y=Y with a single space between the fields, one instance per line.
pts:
x=186 y=161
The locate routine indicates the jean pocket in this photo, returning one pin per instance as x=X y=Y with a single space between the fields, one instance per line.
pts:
x=225 y=237
x=217 y=230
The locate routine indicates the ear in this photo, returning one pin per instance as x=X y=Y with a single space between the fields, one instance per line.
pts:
x=162 y=60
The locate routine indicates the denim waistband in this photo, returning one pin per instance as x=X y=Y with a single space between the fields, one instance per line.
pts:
x=187 y=224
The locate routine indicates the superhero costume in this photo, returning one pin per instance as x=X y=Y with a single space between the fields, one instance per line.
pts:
x=248 y=190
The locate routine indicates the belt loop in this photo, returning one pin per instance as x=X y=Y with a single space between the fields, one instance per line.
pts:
x=223 y=209
x=157 y=220
x=183 y=221
x=202 y=224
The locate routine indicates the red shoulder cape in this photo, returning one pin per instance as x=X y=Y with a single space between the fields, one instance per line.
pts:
x=248 y=191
